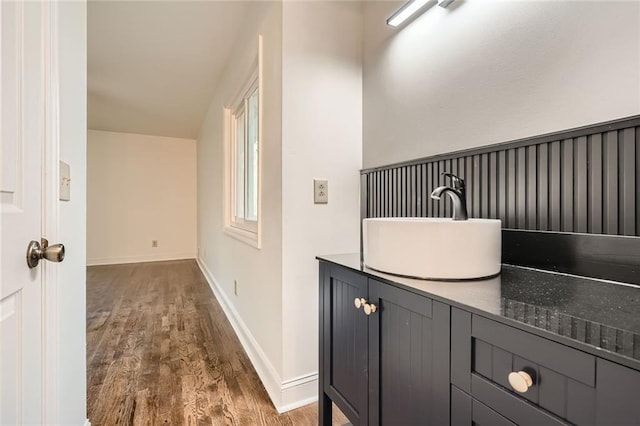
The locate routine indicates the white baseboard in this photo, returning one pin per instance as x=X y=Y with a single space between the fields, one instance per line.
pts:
x=299 y=392
x=87 y=423
x=139 y=259
x=286 y=395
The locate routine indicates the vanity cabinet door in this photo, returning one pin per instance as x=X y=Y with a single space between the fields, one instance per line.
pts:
x=344 y=345
x=466 y=411
x=408 y=358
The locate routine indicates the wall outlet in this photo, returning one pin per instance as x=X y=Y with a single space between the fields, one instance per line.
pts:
x=320 y=191
x=235 y=287
x=154 y=243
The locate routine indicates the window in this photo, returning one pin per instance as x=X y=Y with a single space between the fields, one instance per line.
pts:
x=243 y=164
x=245 y=193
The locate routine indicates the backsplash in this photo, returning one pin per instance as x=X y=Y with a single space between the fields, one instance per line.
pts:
x=582 y=180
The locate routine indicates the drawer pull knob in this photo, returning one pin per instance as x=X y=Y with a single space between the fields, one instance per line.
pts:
x=520 y=381
x=370 y=308
x=359 y=302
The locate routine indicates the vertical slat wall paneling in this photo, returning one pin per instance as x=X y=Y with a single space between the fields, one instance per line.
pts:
x=389 y=190
x=554 y=186
x=566 y=189
x=402 y=174
x=372 y=195
x=511 y=189
x=445 y=205
x=457 y=167
x=493 y=185
x=397 y=183
x=580 y=207
x=413 y=191
x=627 y=182
x=428 y=182
x=438 y=207
x=521 y=188
x=370 y=199
x=532 y=187
x=476 y=202
x=543 y=187
x=384 y=196
x=387 y=198
x=610 y=190
x=485 y=182
x=468 y=177
x=637 y=179
x=406 y=195
x=399 y=197
x=379 y=185
x=418 y=185
x=423 y=190
x=410 y=192
x=378 y=194
x=577 y=181
x=394 y=192
x=502 y=187
x=594 y=196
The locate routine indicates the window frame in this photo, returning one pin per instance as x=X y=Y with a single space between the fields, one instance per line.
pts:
x=238 y=226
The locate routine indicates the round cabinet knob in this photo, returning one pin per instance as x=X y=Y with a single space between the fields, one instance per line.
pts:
x=520 y=381
x=369 y=308
x=359 y=302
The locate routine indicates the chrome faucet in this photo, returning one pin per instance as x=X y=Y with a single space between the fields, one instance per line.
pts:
x=457 y=194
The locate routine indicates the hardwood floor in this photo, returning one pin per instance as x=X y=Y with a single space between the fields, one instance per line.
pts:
x=161 y=351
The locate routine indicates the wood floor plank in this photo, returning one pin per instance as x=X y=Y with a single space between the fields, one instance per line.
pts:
x=161 y=351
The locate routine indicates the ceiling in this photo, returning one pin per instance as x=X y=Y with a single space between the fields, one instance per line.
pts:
x=153 y=65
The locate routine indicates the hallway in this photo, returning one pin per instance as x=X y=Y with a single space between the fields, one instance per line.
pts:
x=161 y=351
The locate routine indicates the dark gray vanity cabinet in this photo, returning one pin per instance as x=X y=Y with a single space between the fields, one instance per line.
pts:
x=386 y=362
x=413 y=360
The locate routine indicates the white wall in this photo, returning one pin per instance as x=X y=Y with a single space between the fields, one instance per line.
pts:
x=140 y=188
x=72 y=387
x=256 y=312
x=321 y=138
x=312 y=127
x=483 y=72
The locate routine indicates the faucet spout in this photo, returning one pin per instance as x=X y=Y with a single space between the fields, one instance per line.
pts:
x=457 y=195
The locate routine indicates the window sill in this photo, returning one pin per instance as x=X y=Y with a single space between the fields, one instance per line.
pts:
x=247 y=237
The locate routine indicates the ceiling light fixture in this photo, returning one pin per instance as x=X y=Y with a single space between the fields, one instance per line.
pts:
x=405 y=12
x=409 y=9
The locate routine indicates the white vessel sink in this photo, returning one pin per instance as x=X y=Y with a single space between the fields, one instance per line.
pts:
x=433 y=248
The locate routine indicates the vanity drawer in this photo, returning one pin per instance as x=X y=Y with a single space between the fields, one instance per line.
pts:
x=485 y=352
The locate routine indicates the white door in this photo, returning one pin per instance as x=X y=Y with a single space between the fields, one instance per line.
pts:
x=23 y=138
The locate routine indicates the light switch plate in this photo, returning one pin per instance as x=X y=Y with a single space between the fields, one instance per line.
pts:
x=65 y=182
x=320 y=191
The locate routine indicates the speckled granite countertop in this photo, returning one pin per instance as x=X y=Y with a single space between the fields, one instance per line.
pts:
x=596 y=316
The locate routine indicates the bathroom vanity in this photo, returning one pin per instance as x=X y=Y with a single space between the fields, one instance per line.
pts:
x=527 y=347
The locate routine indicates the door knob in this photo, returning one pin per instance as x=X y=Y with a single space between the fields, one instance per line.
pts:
x=42 y=250
x=359 y=302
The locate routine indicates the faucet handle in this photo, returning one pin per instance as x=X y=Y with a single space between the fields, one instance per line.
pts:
x=458 y=183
